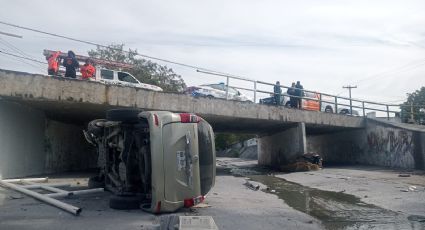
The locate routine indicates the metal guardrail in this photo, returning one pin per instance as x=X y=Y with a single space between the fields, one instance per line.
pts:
x=365 y=105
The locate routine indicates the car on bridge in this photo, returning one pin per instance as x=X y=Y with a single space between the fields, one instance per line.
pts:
x=115 y=77
x=217 y=91
x=156 y=160
x=310 y=101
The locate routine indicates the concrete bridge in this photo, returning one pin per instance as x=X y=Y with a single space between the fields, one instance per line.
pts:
x=41 y=119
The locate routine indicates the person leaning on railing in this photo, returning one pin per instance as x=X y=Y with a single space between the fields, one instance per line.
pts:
x=299 y=92
x=277 y=93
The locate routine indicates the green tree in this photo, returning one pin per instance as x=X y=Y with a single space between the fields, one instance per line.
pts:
x=416 y=102
x=144 y=70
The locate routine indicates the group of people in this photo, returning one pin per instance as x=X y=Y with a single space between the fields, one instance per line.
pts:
x=71 y=65
x=295 y=92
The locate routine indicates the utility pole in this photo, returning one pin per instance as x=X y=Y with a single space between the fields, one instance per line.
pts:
x=349 y=87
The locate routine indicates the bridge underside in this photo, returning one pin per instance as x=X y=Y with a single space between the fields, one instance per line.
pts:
x=41 y=120
x=81 y=113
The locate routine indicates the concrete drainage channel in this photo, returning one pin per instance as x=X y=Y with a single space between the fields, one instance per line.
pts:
x=335 y=210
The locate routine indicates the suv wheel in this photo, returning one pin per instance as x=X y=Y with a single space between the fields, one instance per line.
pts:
x=96 y=182
x=124 y=202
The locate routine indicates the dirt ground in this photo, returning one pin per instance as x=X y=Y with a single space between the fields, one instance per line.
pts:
x=332 y=198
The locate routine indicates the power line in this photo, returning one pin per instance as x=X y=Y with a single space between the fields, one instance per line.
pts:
x=10 y=35
x=16 y=49
x=14 y=55
x=108 y=47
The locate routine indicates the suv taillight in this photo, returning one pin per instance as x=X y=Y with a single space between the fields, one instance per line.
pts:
x=193 y=201
x=189 y=118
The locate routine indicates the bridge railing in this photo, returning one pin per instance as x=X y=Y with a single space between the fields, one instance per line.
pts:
x=323 y=99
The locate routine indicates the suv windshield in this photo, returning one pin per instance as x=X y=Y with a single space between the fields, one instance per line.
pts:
x=206 y=156
x=126 y=77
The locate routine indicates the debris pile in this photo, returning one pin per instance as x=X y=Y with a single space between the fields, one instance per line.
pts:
x=306 y=162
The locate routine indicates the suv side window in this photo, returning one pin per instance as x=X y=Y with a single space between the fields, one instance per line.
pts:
x=232 y=90
x=107 y=74
x=217 y=86
x=126 y=77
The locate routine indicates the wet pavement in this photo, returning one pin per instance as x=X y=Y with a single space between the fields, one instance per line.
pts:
x=335 y=210
x=340 y=198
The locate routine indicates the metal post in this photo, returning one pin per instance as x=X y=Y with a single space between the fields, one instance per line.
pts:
x=351 y=102
x=320 y=102
x=388 y=113
x=349 y=87
x=364 y=112
x=336 y=104
x=227 y=88
x=255 y=91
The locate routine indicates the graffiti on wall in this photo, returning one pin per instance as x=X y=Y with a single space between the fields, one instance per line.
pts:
x=391 y=147
x=392 y=141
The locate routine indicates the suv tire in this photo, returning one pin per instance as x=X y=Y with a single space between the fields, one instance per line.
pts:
x=124 y=115
x=124 y=202
x=96 y=182
x=94 y=128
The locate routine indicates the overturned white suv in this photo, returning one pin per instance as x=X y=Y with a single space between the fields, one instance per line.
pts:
x=156 y=160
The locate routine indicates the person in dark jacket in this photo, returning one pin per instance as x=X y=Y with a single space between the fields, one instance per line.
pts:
x=277 y=93
x=299 y=92
x=71 y=65
x=291 y=92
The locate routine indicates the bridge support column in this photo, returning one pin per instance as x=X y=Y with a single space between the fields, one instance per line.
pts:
x=281 y=148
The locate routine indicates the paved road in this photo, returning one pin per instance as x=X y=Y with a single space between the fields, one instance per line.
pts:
x=318 y=200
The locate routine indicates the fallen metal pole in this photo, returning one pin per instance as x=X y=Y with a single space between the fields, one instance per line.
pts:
x=43 y=179
x=67 y=207
x=38 y=186
x=74 y=193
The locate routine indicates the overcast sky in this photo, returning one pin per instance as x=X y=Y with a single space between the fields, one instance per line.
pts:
x=377 y=45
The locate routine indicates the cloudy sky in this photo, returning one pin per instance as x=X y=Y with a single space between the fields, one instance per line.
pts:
x=377 y=45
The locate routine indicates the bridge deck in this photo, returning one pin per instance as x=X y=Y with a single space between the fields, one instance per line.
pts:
x=80 y=101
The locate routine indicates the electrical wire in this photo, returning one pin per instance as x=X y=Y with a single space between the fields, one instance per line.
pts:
x=108 y=47
x=17 y=56
x=16 y=49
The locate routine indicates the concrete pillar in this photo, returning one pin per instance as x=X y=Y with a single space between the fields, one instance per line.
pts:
x=282 y=148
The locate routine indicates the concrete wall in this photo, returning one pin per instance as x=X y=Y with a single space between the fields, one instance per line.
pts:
x=342 y=147
x=283 y=147
x=66 y=148
x=379 y=144
x=31 y=144
x=21 y=140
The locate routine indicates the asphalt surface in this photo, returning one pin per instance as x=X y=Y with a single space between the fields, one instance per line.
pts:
x=235 y=206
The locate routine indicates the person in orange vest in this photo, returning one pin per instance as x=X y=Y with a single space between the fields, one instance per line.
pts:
x=53 y=63
x=87 y=70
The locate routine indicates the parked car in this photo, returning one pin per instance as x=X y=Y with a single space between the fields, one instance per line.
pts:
x=309 y=102
x=346 y=111
x=115 y=77
x=217 y=91
x=157 y=160
x=272 y=100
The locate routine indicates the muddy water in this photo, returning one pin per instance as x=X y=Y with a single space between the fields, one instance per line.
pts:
x=336 y=210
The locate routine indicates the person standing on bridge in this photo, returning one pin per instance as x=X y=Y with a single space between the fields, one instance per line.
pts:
x=87 y=70
x=291 y=93
x=277 y=93
x=71 y=64
x=299 y=92
x=53 y=63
